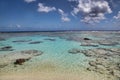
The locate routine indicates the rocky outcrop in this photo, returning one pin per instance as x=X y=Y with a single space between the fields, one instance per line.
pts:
x=36 y=42
x=6 y=48
x=18 y=58
x=21 y=61
x=89 y=44
x=86 y=39
x=108 y=43
x=50 y=39
x=32 y=52
x=98 y=52
x=105 y=61
x=105 y=67
x=74 y=51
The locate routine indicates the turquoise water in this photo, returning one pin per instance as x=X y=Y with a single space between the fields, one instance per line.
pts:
x=55 y=52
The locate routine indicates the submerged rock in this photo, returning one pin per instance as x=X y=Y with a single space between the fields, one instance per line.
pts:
x=21 y=61
x=36 y=42
x=50 y=39
x=90 y=68
x=74 y=51
x=117 y=50
x=88 y=44
x=94 y=66
x=105 y=61
x=92 y=63
x=6 y=48
x=18 y=57
x=108 y=43
x=22 y=41
x=116 y=73
x=87 y=39
x=32 y=52
x=88 y=53
x=97 y=52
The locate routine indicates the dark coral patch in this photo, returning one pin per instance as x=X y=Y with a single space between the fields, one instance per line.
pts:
x=6 y=48
x=21 y=61
x=50 y=39
x=36 y=42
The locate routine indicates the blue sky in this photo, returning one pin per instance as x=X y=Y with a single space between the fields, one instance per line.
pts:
x=45 y=15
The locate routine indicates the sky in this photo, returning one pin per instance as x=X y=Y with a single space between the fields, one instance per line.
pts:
x=53 y=15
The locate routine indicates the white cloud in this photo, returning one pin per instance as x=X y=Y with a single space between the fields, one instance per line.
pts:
x=64 y=16
x=92 y=10
x=18 y=26
x=117 y=16
x=46 y=9
x=29 y=1
x=92 y=20
x=65 y=19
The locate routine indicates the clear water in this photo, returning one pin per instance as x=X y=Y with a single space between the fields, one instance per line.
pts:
x=55 y=52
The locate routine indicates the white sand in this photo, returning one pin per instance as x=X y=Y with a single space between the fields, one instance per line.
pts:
x=53 y=76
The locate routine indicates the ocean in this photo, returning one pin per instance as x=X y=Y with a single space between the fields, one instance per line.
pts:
x=68 y=55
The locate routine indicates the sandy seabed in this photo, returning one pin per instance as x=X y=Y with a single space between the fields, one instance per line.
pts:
x=53 y=76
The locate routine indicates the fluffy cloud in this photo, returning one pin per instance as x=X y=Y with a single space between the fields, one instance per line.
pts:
x=29 y=1
x=64 y=16
x=117 y=16
x=92 y=10
x=46 y=9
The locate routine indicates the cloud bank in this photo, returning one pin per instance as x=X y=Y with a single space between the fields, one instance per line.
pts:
x=46 y=9
x=92 y=10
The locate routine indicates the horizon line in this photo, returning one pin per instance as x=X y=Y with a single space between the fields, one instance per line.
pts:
x=52 y=31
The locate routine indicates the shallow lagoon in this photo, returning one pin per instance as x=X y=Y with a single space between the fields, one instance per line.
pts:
x=66 y=55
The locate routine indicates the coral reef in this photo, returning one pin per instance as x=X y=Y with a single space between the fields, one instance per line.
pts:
x=21 y=61
x=6 y=48
x=18 y=58
x=50 y=39
x=106 y=61
x=36 y=42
